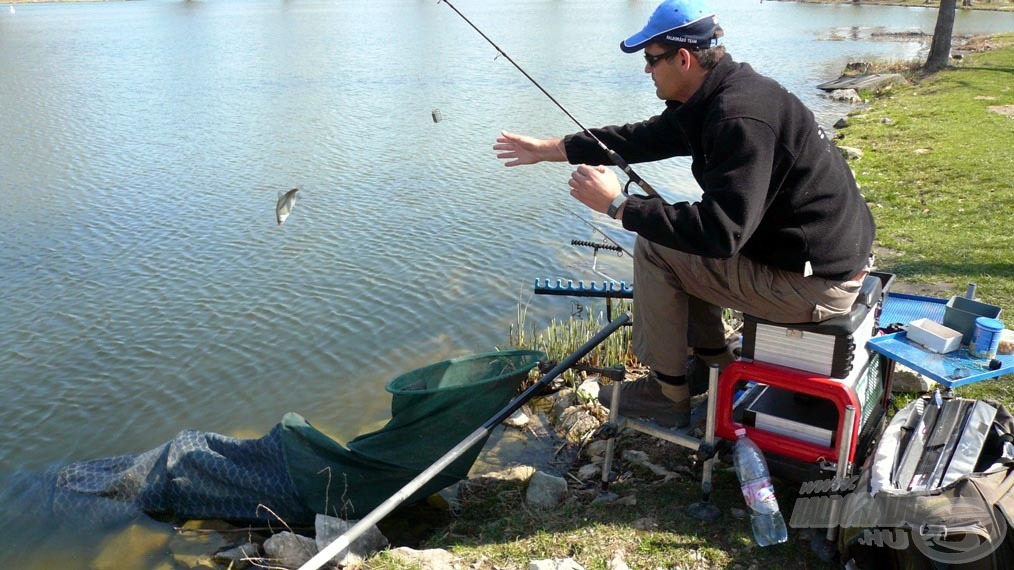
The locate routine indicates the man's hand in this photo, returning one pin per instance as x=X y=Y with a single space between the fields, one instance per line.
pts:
x=519 y=149
x=594 y=186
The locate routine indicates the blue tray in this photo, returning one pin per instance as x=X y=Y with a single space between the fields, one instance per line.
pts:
x=904 y=308
x=952 y=369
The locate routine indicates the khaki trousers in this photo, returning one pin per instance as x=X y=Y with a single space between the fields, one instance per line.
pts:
x=678 y=301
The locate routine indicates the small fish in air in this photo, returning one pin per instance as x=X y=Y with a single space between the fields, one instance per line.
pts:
x=286 y=201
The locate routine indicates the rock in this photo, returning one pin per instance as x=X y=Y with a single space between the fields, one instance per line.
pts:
x=545 y=490
x=431 y=559
x=841 y=123
x=575 y=422
x=288 y=550
x=555 y=564
x=645 y=523
x=330 y=528
x=446 y=499
x=588 y=471
x=628 y=501
x=850 y=153
x=617 y=562
x=846 y=95
x=588 y=390
x=596 y=448
x=517 y=420
x=564 y=399
x=640 y=459
x=857 y=67
x=518 y=473
x=239 y=557
x=908 y=380
x=886 y=121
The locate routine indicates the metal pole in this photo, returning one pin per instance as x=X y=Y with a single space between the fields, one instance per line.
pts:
x=345 y=540
x=705 y=510
x=842 y=471
x=709 y=433
x=614 y=414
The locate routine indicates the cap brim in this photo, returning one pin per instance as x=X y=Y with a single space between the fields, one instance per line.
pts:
x=692 y=35
x=636 y=42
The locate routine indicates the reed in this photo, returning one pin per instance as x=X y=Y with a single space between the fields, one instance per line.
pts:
x=563 y=336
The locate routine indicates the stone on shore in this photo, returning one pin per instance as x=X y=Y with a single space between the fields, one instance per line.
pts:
x=908 y=380
x=545 y=490
x=430 y=559
x=288 y=550
x=850 y=153
x=617 y=562
x=330 y=528
x=239 y=557
x=846 y=96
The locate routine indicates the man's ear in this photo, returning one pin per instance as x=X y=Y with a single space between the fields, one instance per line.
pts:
x=685 y=58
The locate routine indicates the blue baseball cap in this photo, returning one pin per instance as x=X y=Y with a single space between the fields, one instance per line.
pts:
x=684 y=23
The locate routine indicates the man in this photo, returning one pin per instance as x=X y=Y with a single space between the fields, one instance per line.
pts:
x=780 y=231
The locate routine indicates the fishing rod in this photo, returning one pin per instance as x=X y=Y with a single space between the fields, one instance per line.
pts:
x=612 y=154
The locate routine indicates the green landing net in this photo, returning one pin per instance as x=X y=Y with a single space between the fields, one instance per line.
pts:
x=433 y=409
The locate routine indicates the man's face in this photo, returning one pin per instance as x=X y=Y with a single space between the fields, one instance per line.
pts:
x=663 y=63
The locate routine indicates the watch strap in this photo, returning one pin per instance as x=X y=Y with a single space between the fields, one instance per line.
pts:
x=616 y=205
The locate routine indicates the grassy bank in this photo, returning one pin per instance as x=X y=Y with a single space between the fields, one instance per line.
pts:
x=937 y=174
x=1000 y=5
x=936 y=170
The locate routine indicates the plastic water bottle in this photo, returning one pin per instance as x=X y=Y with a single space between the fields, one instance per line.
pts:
x=755 y=481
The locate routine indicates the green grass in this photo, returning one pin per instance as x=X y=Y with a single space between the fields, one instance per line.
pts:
x=938 y=172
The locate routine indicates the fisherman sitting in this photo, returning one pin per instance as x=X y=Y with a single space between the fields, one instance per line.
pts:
x=780 y=231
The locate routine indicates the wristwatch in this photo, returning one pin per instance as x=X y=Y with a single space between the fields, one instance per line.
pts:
x=616 y=205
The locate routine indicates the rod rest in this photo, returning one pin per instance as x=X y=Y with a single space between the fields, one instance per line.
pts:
x=870 y=294
x=610 y=289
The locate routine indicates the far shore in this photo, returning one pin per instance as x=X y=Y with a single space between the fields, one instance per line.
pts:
x=994 y=5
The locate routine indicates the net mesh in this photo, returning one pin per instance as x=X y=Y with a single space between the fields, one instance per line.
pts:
x=292 y=472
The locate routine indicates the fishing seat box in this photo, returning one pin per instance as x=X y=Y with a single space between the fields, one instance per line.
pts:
x=825 y=361
x=835 y=348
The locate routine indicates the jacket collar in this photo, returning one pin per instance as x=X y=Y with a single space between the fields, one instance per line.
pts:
x=691 y=113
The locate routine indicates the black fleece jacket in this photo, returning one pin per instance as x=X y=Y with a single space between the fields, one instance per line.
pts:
x=775 y=188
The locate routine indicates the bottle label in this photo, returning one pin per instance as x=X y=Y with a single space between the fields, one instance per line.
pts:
x=760 y=495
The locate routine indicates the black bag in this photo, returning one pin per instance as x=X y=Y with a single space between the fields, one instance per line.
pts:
x=937 y=492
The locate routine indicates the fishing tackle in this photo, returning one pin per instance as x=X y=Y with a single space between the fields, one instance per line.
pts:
x=613 y=155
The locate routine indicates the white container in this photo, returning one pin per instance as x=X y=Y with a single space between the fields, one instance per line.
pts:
x=933 y=335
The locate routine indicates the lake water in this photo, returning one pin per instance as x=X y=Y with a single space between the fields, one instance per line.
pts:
x=146 y=285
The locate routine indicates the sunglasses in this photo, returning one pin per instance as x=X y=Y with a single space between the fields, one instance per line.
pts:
x=653 y=59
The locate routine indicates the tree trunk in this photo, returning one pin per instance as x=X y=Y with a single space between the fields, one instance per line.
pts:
x=940 y=49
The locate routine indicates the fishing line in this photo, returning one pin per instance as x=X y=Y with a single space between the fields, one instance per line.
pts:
x=613 y=155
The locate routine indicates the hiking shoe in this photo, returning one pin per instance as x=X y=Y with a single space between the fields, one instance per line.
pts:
x=665 y=404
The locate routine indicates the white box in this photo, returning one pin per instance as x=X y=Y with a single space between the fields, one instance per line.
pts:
x=933 y=335
x=808 y=347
